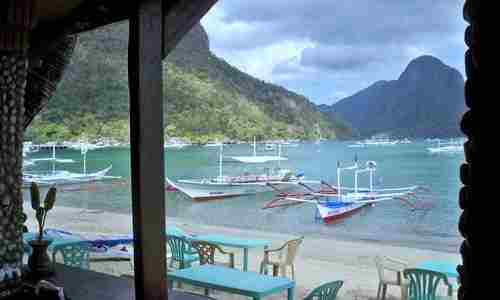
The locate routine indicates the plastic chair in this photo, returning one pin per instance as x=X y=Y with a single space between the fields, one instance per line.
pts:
x=390 y=272
x=206 y=253
x=285 y=259
x=327 y=291
x=423 y=284
x=74 y=254
x=182 y=251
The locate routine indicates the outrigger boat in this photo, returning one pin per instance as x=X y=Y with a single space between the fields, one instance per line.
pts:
x=53 y=157
x=447 y=147
x=337 y=202
x=65 y=177
x=375 y=141
x=256 y=159
x=62 y=177
x=231 y=186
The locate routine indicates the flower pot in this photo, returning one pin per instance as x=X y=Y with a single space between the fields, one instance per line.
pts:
x=39 y=263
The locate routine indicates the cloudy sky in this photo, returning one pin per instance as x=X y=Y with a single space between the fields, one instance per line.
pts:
x=329 y=49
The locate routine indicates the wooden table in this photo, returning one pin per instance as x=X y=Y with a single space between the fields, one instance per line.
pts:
x=234 y=281
x=233 y=242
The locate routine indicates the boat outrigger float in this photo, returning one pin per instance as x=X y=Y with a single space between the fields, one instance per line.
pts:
x=335 y=202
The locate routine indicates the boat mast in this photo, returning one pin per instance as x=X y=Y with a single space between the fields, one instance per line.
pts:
x=220 y=162
x=84 y=148
x=254 y=147
x=279 y=155
x=356 y=172
x=339 y=190
x=53 y=158
x=371 y=180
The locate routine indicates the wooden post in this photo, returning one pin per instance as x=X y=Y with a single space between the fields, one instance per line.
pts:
x=147 y=154
x=471 y=146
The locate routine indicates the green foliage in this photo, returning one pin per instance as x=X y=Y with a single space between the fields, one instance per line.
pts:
x=35 y=196
x=41 y=211
x=205 y=99
x=45 y=132
x=50 y=199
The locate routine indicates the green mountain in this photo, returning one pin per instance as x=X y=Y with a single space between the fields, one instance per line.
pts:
x=205 y=97
x=427 y=100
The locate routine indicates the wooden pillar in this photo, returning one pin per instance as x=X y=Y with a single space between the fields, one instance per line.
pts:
x=471 y=145
x=147 y=153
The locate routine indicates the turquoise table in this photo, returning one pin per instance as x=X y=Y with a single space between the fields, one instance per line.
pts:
x=443 y=267
x=233 y=242
x=56 y=240
x=234 y=281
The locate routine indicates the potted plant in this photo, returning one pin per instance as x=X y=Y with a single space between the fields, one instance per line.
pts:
x=39 y=261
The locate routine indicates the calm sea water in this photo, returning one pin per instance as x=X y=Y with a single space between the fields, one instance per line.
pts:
x=391 y=221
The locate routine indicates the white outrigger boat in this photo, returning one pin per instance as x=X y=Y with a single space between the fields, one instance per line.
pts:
x=452 y=147
x=214 y=144
x=175 y=145
x=53 y=157
x=338 y=202
x=375 y=141
x=65 y=177
x=258 y=159
x=62 y=177
x=231 y=186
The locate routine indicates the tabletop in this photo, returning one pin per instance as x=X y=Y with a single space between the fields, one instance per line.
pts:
x=82 y=284
x=450 y=269
x=230 y=241
x=56 y=240
x=245 y=283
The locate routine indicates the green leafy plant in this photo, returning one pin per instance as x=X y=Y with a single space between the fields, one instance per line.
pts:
x=41 y=211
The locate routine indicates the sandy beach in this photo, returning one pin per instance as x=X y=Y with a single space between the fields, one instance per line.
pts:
x=319 y=260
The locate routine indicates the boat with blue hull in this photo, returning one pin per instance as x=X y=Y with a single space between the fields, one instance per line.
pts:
x=338 y=201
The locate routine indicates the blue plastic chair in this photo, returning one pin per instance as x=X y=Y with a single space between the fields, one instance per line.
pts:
x=75 y=254
x=182 y=251
x=327 y=291
x=423 y=284
x=176 y=231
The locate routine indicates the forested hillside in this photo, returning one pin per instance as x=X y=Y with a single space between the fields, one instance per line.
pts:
x=205 y=97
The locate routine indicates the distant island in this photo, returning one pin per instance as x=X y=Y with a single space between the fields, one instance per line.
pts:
x=205 y=98
x=427 y=100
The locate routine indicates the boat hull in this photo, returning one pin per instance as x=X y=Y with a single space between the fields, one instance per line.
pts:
x=257 y=159
x=331 y=211
x=65 y=178
x=447 y=149
x=207 y=191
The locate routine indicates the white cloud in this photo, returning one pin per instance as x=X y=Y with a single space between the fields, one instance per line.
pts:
x=331 y=48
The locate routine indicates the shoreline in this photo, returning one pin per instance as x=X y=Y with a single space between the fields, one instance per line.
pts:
x=319 y=259
x=448 y=244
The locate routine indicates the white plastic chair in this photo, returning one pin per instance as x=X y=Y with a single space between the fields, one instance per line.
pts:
x=285 y=259
x=390 y=272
